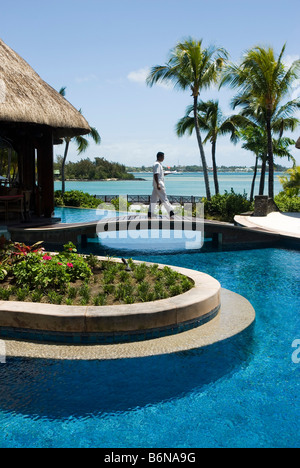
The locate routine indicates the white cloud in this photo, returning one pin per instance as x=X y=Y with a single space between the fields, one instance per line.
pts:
x=139 y=76
x=86 y=79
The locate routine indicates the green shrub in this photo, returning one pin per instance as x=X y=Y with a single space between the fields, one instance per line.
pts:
x=36 y=276
x=53 y=274
x=143 y=290
x=36 y=295
x=22 y=293
x=28 y=270
x=3 y=272
x=47 y=271
x=55 y=298
x=175 y=289
x=100 y=300
x=124 y=292
x=140 y=272
x=85 y=293
x=287 y=204
x=120 y=204
x=76 y=198
x=290 y=181
x=72 y=293
x=159 y=290
x=77 y=267
x=5 y=294
x=186 y=284
x=225 y=207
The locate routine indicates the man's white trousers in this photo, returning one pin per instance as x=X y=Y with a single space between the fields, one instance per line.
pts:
x=159 y=195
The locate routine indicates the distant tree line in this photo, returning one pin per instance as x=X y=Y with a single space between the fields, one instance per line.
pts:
x=195 y=168
x=85 y=169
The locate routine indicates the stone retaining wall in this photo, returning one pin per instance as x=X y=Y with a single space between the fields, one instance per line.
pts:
x=113 y=323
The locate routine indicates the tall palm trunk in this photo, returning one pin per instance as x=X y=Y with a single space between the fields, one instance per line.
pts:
x=270 y=156
x=215 y=170
x=263 y=175
x=253 y=180
x=63 y=188
x=200 y=144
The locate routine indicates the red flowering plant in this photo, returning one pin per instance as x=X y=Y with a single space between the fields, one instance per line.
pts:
x=60 y=269
x=14 y=252
x=38 y=269
x=77 y=266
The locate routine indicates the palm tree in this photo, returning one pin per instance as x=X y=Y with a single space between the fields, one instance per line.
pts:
x=192 y=67
x=255 y=140
x=81 y=142
x=251 y=120
x=265 y=80
x=211 y=120
x=291 y=181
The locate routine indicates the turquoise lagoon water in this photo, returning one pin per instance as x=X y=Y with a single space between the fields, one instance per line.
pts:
x=191 y=184
x=243 y=392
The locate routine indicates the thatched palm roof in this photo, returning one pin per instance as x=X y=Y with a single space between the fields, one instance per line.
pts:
x=298 y=143
x=26 y=99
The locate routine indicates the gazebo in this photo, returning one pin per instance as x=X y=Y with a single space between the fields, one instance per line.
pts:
x=33 y=118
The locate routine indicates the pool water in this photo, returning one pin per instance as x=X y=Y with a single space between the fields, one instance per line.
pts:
x=243 y=392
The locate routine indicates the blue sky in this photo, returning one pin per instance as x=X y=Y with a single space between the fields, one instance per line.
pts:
x=101 y=51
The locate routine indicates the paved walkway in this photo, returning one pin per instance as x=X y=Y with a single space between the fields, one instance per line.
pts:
x=284 y=224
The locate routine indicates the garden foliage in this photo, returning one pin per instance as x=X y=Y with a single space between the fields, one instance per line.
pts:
x=32 y=274
x=76 y=198
x=225 y=207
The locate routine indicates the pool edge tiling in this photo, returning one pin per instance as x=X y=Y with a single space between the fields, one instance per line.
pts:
x=236 y=314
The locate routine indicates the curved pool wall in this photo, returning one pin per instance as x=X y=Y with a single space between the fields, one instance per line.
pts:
x=116 y=323
x=234 y=317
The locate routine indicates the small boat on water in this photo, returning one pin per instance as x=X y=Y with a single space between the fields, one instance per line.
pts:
x=172 y=173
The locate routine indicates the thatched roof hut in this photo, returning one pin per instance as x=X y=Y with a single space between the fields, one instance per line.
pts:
x=34 y=117
x=298 y=143
x=26 y=99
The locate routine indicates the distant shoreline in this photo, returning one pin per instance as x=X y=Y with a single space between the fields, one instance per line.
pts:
x=101 y=180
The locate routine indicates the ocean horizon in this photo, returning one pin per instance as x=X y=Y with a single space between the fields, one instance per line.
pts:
x=185 y=184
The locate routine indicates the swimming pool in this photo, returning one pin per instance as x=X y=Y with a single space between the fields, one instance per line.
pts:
x=243 y=392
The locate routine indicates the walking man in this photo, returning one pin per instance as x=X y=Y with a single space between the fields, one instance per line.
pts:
x=159 y=190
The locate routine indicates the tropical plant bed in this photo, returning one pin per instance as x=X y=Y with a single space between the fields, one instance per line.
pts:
x=30 y=274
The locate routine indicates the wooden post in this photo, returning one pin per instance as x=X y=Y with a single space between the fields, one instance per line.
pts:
x=28 y=154
x=45 y=173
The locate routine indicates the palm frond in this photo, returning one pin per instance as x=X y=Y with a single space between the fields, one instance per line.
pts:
x=95 y=135
x=82 y=144
x=62 y=91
